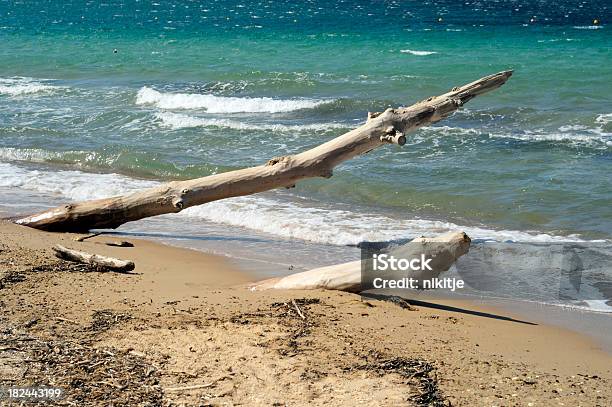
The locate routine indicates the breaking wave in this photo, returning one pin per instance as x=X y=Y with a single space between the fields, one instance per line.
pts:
x=20 y=86
x=177 y=121
x=416 y=52
x=604 y=118
x=221 y=104
x=270 y=213
x=578 y=136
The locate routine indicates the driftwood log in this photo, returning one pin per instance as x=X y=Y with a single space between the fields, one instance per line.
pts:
x=444 y=250
x=104 y=263
x=388 y=127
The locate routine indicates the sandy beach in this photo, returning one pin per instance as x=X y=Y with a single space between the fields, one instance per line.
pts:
x=311 y=203
x=183 y=329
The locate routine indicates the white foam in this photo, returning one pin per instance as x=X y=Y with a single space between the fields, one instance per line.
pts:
x=416 y=52
x=220 y=104
x=597 y=305
x=73 y=185
x=573 y=127
x=453 y=130
x=588 y=27
x=27 y=154
x=20 y=86
x=559 y=39
x=180 y=121
x=339 y=227
x=594 y=137
x=604 y=118
x=265 y=213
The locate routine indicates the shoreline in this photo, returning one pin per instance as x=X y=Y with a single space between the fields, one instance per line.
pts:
x=189 y=314
x=592 y=324
x=386 y=216
x=586 y=322
x=260 y=268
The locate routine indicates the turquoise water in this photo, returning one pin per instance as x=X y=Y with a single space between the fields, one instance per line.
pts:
x=195 y=89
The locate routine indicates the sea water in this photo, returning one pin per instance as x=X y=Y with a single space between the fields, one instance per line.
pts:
x=103 y=98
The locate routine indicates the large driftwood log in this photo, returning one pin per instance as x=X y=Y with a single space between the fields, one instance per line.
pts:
x=104 y=263
x=444 y=250
x=380 y=128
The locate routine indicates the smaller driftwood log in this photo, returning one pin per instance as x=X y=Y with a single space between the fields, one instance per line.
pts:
x=444 y=250
x=106 y=263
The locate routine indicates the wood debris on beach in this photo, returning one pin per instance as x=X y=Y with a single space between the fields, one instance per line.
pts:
x=103 y=263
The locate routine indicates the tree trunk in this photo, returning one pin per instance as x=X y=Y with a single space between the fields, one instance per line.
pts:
x=380 y=128
x=444 y=250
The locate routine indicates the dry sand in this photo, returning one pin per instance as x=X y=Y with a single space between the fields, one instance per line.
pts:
x=184 y=330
